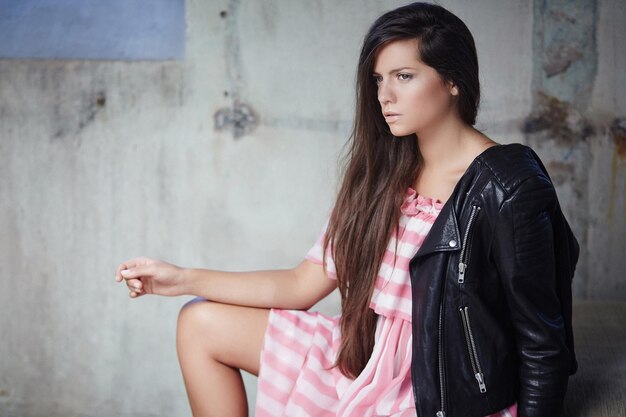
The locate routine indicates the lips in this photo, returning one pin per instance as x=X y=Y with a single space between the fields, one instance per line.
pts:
x=391 y=117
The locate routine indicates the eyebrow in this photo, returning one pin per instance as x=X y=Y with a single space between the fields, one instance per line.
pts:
x=395 y=70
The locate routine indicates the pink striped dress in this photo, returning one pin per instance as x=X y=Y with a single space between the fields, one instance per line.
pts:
x=299 y=346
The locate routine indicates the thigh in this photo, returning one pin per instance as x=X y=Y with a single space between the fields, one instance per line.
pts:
x=231 y=334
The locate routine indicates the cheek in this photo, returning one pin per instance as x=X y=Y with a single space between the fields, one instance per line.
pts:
x=426 y=98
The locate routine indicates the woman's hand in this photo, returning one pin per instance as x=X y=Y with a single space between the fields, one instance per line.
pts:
x=150 y=276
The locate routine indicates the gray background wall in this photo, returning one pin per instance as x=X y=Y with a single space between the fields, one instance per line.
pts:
x=227 y=159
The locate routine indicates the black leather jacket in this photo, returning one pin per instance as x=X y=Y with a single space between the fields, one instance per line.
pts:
x=492 y=297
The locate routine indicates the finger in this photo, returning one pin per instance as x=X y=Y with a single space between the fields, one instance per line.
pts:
x=135 y=272
x=118 y=275
x=131 y=263
x=125 y=265
x=134 y=284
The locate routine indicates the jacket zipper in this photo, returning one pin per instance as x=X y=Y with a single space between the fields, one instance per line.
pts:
x=471 y=348
x=441 y=413
x=466 y=242
x=462 y=266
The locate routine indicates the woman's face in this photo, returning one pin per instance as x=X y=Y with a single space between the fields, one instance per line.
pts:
x=409 y=88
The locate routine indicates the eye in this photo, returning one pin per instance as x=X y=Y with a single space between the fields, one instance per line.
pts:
x=408 y=76
x=375 y=79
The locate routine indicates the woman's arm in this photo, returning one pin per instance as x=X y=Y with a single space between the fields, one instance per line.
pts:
x=295 y=288
x=524 y=252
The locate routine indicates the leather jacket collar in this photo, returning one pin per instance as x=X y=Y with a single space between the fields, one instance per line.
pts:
x=491 y=287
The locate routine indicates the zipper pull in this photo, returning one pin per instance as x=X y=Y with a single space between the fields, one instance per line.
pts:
x=481 y=382
x=441 y=414
x=462 y=267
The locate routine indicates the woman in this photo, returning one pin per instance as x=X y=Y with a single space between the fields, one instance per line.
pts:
x=434 y=223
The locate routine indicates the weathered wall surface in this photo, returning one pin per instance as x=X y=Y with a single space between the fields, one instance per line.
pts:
x=227 y=160
x=577 y=126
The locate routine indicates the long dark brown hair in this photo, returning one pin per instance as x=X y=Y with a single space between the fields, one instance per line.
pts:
x=379 y=166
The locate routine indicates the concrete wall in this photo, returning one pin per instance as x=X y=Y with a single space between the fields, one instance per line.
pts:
x=203 y=161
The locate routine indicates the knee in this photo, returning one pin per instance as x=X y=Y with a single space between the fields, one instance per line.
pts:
x=191 y=312
x=192 y=301
x=195 y=319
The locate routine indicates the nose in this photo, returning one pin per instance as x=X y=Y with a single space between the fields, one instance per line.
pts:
x=385 y=93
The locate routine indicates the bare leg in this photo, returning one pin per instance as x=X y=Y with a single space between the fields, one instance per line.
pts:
x=213 y=342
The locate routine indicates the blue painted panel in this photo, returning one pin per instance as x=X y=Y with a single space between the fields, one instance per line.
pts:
x=92 y=29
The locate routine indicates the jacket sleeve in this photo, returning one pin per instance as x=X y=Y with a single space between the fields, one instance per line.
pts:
x=524 y=255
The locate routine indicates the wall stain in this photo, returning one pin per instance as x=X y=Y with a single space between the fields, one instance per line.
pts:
x=560 y=172
x=560 y=119
x=232 y=50
x=618 y=134
x=72 y=95
x=92 y=106
x=559 y=57
x=240 y=117
x=561 y=54
x=74 y=120
x=617 y=130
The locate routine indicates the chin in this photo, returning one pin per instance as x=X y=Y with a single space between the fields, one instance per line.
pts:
x=398 y=131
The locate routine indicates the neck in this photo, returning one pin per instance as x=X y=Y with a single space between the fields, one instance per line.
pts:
x=439 y=144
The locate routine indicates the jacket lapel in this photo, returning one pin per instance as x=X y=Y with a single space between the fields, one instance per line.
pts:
x=444 y=234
